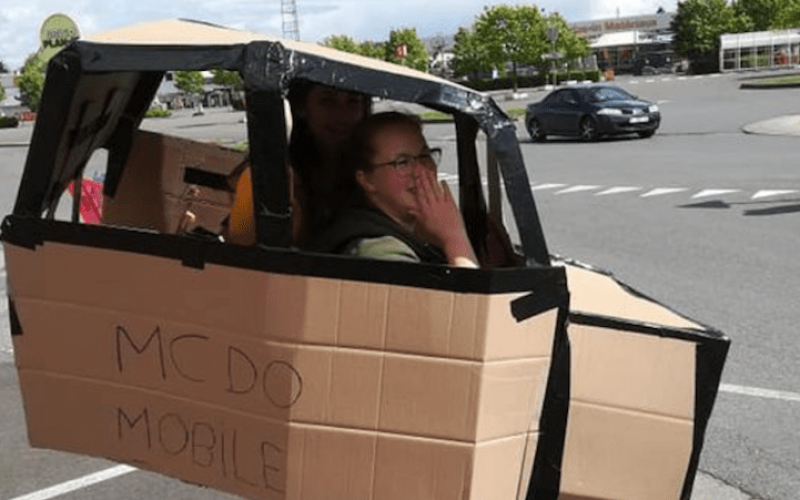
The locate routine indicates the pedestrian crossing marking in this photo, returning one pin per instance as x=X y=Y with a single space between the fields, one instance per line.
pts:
x=539 y=187
x=663 y=191
x=559 y=188
x=714 y=192
x=578 y=189
x=618 y=190
x=765 y=193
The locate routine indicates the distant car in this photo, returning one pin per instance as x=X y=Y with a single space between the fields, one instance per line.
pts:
x=591 y=111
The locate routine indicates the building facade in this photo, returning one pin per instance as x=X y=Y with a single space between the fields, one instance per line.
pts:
x=633 y=44
x=759 y=50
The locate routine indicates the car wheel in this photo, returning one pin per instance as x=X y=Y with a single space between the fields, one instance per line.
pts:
x=646 y=133
x=588 y=129
x=535 y=130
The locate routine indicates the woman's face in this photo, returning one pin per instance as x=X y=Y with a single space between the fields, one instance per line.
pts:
x=332 y=114
x=388 y=188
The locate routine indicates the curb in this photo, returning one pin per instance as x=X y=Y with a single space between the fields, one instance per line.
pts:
x=788 y=125
x=767 y=86
x=707 y=487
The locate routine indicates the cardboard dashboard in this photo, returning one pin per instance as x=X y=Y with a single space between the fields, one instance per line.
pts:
x=274 y=373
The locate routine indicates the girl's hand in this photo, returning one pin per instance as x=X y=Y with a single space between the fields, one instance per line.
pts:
x=438 y=219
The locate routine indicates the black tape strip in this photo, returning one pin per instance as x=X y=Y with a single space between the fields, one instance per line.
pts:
x=292 y=261
x=644 y=328
x=545 y=481
x=16 y=232
x=194 y=252
x=535 y=303
x=204 y=178
x=16 y=327
x=710 y=358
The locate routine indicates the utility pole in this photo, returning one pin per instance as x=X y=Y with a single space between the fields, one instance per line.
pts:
x=289 y=16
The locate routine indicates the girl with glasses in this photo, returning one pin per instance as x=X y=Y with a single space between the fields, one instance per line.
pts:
x=398 y=210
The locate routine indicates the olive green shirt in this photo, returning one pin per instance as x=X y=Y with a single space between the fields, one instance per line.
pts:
x=385 y=248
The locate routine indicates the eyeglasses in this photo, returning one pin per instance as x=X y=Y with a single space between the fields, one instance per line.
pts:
x=429 y=159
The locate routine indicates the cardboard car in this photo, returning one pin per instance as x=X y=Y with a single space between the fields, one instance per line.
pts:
x=271 y=372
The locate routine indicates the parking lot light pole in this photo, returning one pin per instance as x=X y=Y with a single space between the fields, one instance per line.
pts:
x=552 y=35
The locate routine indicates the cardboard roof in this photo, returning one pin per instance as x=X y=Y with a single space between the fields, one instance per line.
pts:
x=189 y=33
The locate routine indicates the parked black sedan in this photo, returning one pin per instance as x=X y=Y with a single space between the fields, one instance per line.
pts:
x=590 y=111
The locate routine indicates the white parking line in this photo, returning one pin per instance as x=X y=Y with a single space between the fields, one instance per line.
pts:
x=77 y=484
x=760 y=393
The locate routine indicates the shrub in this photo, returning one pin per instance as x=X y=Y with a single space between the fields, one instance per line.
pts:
x=9 y=121
x=435 y=116
x=534 y=81
x=158 y=113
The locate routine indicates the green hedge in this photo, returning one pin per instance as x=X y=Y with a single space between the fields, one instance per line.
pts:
x=534 y=81
x=158 y=113
x=8 y=121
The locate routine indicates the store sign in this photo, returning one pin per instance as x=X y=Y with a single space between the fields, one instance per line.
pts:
x=658 y=22
x=57 y=31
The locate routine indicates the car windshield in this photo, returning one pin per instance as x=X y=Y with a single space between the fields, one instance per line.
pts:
x=610 y=94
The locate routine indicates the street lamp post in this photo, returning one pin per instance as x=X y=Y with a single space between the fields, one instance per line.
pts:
x=552 y=35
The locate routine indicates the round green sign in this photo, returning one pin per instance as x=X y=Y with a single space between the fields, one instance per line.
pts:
x=56 y=32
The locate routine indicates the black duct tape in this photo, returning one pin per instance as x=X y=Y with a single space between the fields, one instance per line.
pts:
x=545 y=482
x=16 y=327
x=17 y=232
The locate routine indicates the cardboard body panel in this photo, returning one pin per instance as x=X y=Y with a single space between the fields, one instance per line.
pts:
x=630 y=428
x=153 y=193
x=632 y=422
x=256 y=457
x=287 y=362
x=599 y=294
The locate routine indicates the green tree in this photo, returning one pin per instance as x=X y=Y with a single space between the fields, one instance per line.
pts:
x=570 y=44
x=190 y=82
x=2 y=93
x=698 y=25
x=347 y=44
x=515 y=34
x=31 y=81
x=417 y=56
x=375 y=50
x=759 y=15
x=230 y=79
x=469 y=54
x=788 y=16
x=343 y=43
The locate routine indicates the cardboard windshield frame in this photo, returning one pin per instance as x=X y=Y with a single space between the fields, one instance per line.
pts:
x=268 y=68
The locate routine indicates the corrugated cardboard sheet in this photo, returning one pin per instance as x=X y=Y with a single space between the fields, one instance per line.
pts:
x=277 y=386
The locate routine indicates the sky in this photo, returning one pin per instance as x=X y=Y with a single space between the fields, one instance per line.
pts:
x=21 y=20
